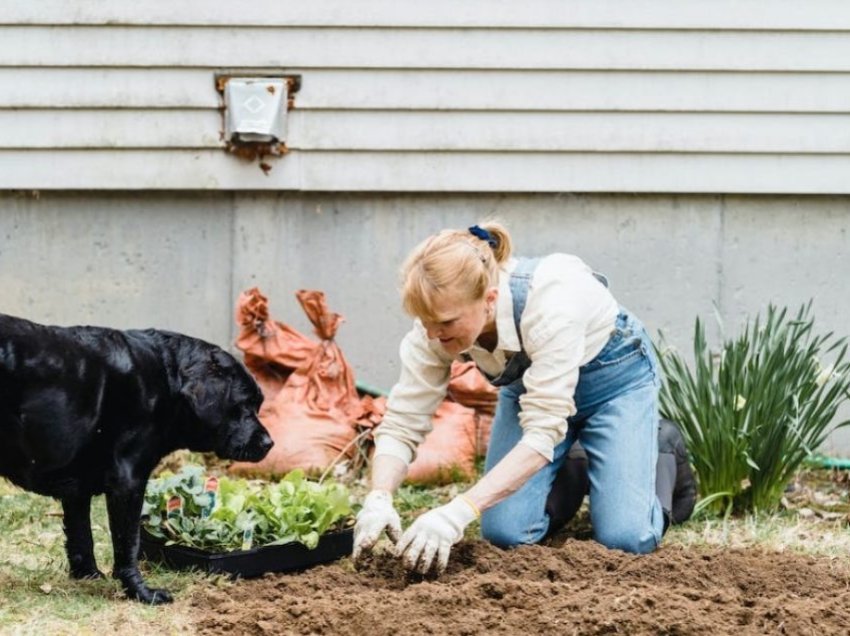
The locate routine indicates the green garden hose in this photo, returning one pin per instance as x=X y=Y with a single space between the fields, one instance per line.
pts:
x=822 y=461
x=368 y=389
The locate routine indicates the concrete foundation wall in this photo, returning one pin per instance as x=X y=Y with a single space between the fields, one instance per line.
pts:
x=179 y=260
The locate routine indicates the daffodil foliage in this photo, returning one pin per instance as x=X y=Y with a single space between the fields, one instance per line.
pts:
x=755 y=408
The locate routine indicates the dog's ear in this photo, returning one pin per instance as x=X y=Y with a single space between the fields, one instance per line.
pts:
x=197 y=394
x=221 y=360
x=206 y=384
x=239 y=384
x=196 y=380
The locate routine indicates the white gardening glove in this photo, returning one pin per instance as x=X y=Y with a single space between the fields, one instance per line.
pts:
x=377 y=515
x=434 y=533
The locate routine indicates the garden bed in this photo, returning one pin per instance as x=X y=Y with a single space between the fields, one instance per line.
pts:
x=576 y=586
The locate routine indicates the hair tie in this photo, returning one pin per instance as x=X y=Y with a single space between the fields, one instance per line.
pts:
x=484 y=235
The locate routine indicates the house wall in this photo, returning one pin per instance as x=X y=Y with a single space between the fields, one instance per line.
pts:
x=179 y=260
x=488 y=96
x=697 y=156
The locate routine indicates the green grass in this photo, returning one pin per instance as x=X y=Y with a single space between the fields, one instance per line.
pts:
x=783 y=532
x=38 y=596
x=814 y=519
x=411 y=501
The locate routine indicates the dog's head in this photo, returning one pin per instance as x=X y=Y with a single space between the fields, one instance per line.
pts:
x=224 y=400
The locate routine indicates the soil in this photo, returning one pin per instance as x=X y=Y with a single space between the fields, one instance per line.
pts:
x=570 y=587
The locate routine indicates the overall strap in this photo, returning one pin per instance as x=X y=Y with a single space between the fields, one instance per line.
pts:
x=602 y=278
x=519 y=284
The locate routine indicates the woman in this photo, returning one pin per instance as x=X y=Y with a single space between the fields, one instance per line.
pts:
x=571 y=363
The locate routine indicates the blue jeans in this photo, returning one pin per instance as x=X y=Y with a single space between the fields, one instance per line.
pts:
x=617 y=423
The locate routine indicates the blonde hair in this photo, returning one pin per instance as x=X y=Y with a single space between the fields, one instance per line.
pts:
x=456 y=263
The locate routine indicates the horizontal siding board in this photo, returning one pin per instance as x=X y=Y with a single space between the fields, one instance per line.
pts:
x=423 y=48
x=688 y=14
x=582 y=90
x=102 y=88
x=494 y=172
x=142 y=170
x=585 y=132
x=110 y=129
x=440 y=90
x=450 y=172
x=441 y=131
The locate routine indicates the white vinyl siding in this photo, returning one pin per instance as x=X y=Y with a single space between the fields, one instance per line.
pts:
x=613 y=14
x=494 y=96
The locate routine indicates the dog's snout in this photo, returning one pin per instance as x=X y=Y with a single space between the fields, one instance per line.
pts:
x=264 y=442
x=258 y=444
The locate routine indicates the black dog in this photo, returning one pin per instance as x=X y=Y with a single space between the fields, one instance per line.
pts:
x=90 y=410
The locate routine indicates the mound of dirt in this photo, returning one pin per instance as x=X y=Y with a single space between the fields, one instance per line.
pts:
x=578 y=587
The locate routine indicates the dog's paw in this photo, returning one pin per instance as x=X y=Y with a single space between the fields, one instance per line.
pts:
x=88 y=574
x=160 y=597
x=153 y=597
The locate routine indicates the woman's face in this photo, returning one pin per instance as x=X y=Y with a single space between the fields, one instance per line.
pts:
x=457 y=325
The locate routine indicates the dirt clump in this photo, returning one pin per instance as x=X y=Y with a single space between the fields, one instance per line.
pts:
x=577 y=587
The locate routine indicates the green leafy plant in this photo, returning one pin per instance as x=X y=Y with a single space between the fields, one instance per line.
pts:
x=752 y=413
x=223 y=514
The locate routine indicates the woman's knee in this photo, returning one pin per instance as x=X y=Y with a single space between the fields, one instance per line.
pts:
x=498 y=534
x=504 y=531
x=628 y=539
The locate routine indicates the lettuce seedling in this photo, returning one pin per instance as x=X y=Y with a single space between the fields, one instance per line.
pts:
x=221 y=514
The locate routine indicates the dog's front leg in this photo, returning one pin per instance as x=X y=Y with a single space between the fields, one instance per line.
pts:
x=78 y=540
x=124 y=505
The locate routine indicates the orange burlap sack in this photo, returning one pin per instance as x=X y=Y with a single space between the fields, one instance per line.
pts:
x=272 y=350
x=448 y=452
x=312 y=418
x=485 y=425
x=469 y=387
x=373 y=411
x=461 y=429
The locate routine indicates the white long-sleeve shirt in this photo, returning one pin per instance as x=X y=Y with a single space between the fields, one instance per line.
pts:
x=568 y=318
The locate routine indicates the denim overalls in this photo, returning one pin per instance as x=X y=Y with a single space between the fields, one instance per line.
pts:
x=617 y=422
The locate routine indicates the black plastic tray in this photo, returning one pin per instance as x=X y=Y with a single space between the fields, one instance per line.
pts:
x=249 y=563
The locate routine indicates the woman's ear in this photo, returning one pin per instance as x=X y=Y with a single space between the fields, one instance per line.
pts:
x=491 y=296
